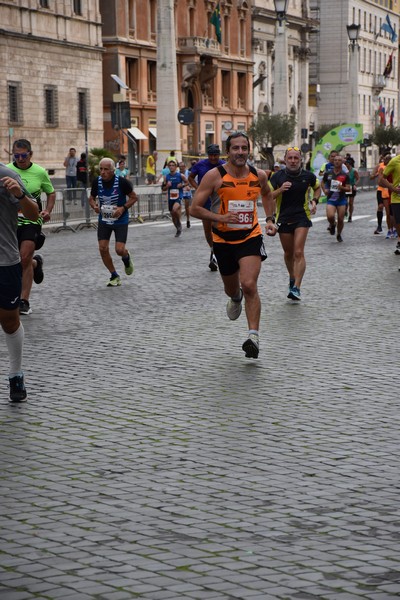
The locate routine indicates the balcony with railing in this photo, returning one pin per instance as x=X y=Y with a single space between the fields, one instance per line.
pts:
x=378 y=83
x=132 y=96
x=199 y=45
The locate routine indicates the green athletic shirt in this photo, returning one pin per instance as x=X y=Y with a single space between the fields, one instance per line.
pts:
x=36 y=181
x=393 y=169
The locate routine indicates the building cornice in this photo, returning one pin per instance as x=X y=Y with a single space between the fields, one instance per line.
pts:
x=28 y=37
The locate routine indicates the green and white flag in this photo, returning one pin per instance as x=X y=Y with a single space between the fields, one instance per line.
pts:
x=216 y=21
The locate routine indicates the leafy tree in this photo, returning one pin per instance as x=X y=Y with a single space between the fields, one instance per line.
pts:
x=268 y=131
x=95 y=156
x=324 y=128
x=386 y=137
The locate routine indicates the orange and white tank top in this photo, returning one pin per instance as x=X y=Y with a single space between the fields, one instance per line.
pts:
x=237 y=196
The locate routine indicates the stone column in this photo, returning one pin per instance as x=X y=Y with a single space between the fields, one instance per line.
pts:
x=281 y=84
x=168 y=128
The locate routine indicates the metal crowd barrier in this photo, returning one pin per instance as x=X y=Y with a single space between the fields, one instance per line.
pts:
x=72 y=211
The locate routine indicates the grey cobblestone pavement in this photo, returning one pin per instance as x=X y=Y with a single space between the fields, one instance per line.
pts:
x=153 y=460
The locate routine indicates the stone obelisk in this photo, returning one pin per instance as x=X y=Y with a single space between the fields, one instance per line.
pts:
x=168 y=128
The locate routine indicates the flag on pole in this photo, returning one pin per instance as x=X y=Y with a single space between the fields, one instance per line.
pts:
x=382 y=114
x=389 y=66
x=216 y=21
x=388 y=27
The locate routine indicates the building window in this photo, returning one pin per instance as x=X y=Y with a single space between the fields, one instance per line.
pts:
x=132 y=17
x=226 y=88
x=83 y=108
x=51 y=106
x=226 y=38
x=152 y=80
x=192 y=21
x=153 y=19
x=77 y=7
x=242 y=37
x=241 y=80
x=44 y=3
x=132 y=78
x=14 y=102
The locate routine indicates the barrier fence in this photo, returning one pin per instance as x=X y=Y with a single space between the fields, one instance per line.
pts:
x=72 y=211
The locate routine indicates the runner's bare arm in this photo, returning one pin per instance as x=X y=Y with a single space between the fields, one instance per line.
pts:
x=209 y=184
x=268 y=202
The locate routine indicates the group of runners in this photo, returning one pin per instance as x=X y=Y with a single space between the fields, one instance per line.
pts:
x=225 y=200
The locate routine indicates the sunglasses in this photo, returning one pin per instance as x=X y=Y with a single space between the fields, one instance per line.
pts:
x=22 y=155
x=293 y=148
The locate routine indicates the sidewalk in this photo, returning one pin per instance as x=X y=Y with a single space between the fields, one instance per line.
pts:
x=154 y=461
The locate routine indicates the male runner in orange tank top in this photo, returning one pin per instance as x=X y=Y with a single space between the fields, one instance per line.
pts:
x=237 y=236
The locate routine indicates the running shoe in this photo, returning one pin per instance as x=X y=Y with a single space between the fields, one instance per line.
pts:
x=38 y=270
x=294 y=293
x=378 y=230
x=332 y=229
x=339 y=238
x=17 y=389
x=24 y=308
x=251 y=346
x=388 y=235
x=291 y=284
x=234 y=308
x=129 y=267
x=114 y=281
x=188 y=224
x=213 y=264
x=349 y=220
x=394 y=234
x=178 y=232
x=397 y=251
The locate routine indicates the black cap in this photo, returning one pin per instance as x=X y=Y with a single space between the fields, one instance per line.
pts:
x=213 y=149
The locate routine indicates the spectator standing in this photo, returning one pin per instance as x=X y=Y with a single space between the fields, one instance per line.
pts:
x=70 y=164
x=151 y=165
x=121 y=170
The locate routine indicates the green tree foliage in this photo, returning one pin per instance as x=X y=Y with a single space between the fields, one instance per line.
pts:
x=386 y=137
x=324 y=128
x=95 y=156
x=268 y=131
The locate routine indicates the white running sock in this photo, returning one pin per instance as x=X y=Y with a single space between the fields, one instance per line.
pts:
x=15 y=342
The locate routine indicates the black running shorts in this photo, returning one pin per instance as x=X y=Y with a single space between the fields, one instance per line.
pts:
x=104 y=232
x=10 y=286
x=228 y=255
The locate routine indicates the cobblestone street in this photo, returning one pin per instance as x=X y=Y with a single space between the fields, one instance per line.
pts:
x=153 y=460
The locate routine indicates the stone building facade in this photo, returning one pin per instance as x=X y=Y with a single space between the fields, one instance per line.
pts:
x=330 y=74
x=214 y=79
x=50 y=77
x=298 y=24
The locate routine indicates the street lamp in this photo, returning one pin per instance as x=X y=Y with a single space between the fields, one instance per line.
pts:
x=353 y=31
x=281 y=9
x=281 y=83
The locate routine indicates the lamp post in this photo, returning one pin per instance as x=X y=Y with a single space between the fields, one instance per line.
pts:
x=353 y=32
x=281 y=84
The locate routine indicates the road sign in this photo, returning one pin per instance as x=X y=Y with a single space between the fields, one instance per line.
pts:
x=186 y=116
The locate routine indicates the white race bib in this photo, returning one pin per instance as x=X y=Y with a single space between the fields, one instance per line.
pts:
x=245 y=210
x=107 y=213
x=335 y=185
x=174 y=194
